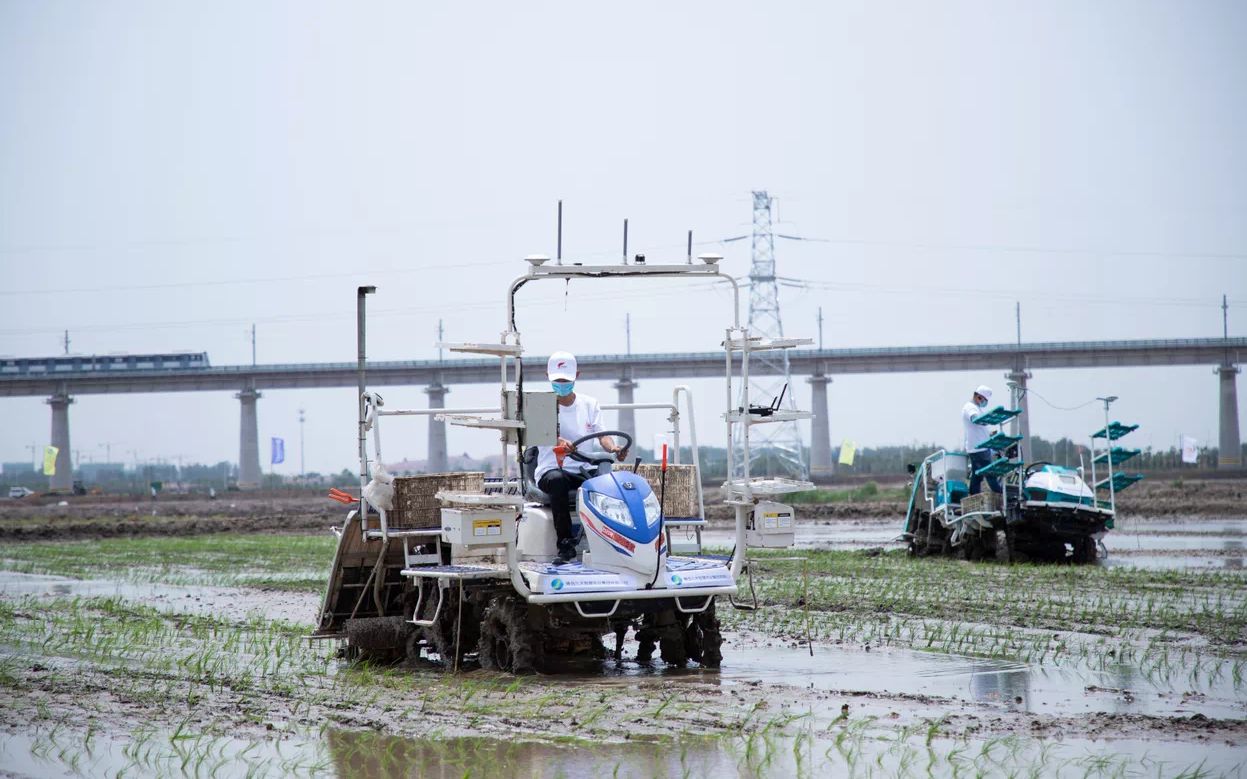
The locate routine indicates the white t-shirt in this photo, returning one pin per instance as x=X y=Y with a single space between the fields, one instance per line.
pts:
x=581 y=418
x=974 y=434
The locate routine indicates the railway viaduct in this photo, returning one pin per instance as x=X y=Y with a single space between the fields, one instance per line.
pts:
x=818 y=366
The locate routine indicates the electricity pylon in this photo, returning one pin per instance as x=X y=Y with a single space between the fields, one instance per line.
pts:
x=776 y=449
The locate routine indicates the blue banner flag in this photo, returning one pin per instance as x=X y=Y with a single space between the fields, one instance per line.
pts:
x=279 y=451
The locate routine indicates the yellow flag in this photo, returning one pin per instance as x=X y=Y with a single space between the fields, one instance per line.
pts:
x=847 y=450
x=49 y=460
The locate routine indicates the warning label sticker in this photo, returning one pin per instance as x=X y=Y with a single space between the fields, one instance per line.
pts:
x=491 y=526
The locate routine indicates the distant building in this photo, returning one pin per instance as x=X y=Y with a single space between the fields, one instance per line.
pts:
x=99 y=472
x=463 y=462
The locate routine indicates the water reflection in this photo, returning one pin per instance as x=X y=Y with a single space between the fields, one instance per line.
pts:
x=1006 y=685
x=1233 y=560
x=370 y=755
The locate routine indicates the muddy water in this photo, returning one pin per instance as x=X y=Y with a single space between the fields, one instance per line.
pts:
x=350 y=754
x=1160 y=543
x=229 y=602
x=898 y=688
x=751 y=660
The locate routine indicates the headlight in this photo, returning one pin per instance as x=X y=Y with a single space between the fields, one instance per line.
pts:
x=613 y=509
x=652 y=509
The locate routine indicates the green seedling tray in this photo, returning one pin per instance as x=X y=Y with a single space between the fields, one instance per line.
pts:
x=998 y=467
x=996 y=416
x=1114 y=431
x=1000 y=441
x=1120 y=455
x=1120 y=481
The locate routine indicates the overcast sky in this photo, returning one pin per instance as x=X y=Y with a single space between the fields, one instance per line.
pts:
x=172 y=172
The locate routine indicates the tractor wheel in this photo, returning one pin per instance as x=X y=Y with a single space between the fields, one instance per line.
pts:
x=702 y=640
x=647 y=641
x=441 y=636
x=377 y=639
x=507 y=642
x=671 y=647
x=1004 y=546
x=970 y=549
x=1085 y=550
x=668 y=627
x=918 y=543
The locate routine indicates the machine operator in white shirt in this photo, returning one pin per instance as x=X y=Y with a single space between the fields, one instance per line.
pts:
x=579 y=415
x=975 y=435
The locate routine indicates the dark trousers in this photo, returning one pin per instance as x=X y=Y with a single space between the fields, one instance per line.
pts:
x=981 y=460
x=561 y=486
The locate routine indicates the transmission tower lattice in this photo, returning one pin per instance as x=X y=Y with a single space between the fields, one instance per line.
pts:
x=775 y=449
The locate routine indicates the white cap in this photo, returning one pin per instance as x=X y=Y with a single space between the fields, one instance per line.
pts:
x=561 y=367
x=983 y=390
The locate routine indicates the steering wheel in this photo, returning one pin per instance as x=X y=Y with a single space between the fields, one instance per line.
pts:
x=575 y=455
x=1036 y=466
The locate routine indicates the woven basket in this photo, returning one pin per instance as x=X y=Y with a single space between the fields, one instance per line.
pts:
x=983 y=501
x=680 y=499
x=415 y=497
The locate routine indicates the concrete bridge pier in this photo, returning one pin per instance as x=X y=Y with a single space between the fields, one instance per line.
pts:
x=1021 y=424
x=438 y=459
x=248 y=441
x=820 y=427
x=625 y=420
x=1230 y=445
x=63 y=479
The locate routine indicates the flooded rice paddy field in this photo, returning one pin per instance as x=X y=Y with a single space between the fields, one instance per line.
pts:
x=188 y=655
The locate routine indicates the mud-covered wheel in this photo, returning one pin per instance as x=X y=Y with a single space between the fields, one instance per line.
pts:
x=970 y=548
x=442 y=636
x=647 y=642
x=376 y=639
x=507 y=642
x=918 y=541
x=1004 y=546
x=703 y=642
x=671 y=648
x=1085 y=550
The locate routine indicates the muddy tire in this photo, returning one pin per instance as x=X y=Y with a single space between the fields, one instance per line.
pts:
x=971 y=548
x=377 y=639
x=671 y=648
x=507 y=642
x=918 y=543
x=703 y=641
x=441 y=636
x=1085 y=550
x=647 y=642
x=1004 y=546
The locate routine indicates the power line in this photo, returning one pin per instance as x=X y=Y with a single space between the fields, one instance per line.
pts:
x=1013 y=248
x=306 y=276
x=980 y=292
x=1050 y=404
x=335 y=314
x=256 y=280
